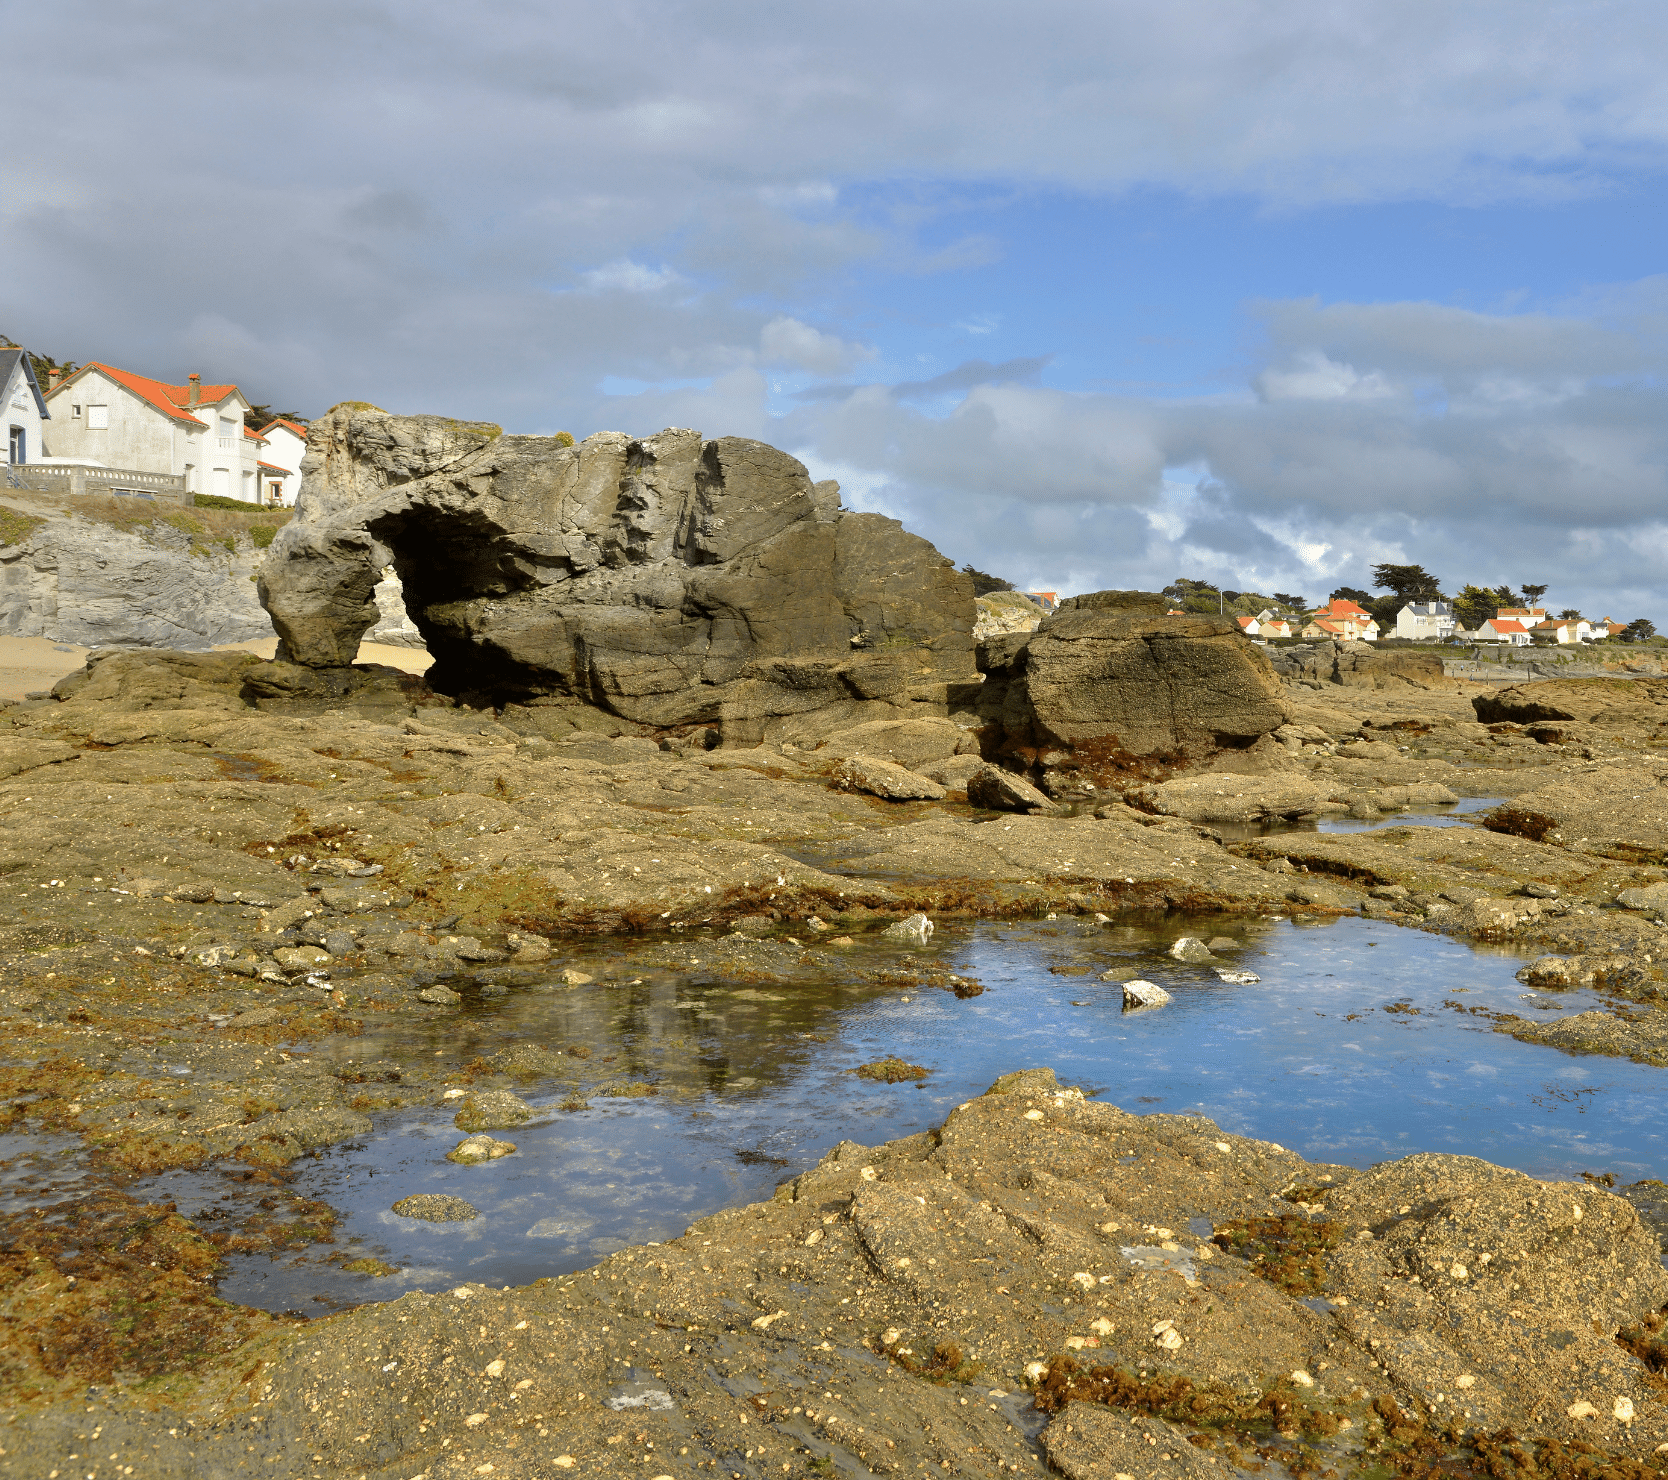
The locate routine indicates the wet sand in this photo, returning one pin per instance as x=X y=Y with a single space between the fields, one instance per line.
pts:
x=31 y=664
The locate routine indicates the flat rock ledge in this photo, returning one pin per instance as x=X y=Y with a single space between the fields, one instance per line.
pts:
x=1040 y=1276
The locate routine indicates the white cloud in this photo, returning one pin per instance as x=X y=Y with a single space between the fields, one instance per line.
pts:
x=1315 y=377
x=787 y=341
x=626 y=276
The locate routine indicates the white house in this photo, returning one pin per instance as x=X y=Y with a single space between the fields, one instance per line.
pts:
x=286 y=445
x=1502 y=629
x=1426 y=621
x=1566 y=632
x=104 y=415
x=25 y=407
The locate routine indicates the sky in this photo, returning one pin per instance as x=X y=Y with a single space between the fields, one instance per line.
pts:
x=1261 y=292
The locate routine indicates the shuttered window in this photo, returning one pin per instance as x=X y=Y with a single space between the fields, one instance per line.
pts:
x=98 y=418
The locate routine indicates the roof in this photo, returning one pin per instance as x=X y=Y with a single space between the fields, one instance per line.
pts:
x=288 y=426
x=254 y=436
x=1247 y=621
x=1506 y=625
x=1327 y=625
x=8 y=362
x=1342 y=607
x=170 y=400
x=273 y=468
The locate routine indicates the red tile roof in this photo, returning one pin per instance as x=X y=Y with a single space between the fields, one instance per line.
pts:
x=1508 y=625
x=273 y=468
x=1340 y=607
x=254 y=436
x=171 y=400
x=288 y=426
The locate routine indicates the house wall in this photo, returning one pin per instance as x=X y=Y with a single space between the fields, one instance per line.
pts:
x=21 y=411
x=139 y=436
x=286 y=450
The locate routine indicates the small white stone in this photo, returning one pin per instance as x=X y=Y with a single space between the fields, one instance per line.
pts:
x=1302 y=1378
x=1075 y=1343
x=1036 y=1371
x=1622 y=1410
x=1101 y=1326
x=1459 y=1271
x=813 y=1237
x=1223 y=1146
x=1083 y=1278
x=1034 y=1115
x=1465 y=1380
x=496 y=1368
x=1581 y=1409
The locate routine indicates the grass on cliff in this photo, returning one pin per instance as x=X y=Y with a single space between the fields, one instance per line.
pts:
x=16 y=527
x=218 y=522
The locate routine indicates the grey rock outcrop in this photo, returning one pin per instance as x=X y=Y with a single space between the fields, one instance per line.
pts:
x=1111 y=669
x=78 y=580
x=670 y=580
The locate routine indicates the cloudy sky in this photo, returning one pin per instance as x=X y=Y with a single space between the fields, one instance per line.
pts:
x=1089 y=292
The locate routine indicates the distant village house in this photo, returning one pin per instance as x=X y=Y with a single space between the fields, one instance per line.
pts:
x=1426 y=621
x=1343 y=621
x=114 y=418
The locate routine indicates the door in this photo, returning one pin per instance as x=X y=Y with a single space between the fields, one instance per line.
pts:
x=17 y=446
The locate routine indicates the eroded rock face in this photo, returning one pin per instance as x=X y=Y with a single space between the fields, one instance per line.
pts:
x=1111 y=668
x=670 y=580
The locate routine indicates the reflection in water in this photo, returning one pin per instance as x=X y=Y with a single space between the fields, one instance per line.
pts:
x=1360 y=1042
x=1455 y=814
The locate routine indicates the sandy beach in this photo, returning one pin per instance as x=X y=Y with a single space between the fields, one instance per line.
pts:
x=31 y=664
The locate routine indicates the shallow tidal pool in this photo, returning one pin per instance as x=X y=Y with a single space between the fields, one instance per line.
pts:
x=1358 y=1043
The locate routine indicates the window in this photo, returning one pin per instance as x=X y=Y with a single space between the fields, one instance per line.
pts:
x=228 y=427
x=16 y=447
x=75 y=411
x=223 y=482
x=98 y=418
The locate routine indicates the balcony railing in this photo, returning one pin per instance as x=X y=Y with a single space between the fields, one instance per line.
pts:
x=76 y=481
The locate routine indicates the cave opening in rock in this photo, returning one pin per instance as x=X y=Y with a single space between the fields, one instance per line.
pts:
x=453 y=565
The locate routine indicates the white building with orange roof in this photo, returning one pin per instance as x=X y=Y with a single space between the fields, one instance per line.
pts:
x=1502 y=629
x=1343 y=619
x=286 y=445
x=103 y=415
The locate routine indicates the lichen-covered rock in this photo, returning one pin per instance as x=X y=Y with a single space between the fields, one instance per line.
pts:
x=1139 y=994
x=473 y=1150
x=436 y=1207
x=670 y=580
x=492 y=1110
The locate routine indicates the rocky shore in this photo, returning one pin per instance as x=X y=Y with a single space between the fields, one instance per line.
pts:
x=223 y=875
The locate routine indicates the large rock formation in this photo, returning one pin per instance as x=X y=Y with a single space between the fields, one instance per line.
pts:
x=1112 y=669
x=167 y=583
x=669 y=580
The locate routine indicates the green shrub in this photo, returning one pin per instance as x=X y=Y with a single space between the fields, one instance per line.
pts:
x=236 y=505
x=262 y=535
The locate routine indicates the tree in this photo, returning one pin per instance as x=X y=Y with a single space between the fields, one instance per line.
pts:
x=1351 y=593
x=1407 y=582
x=263 y=416
x=1638 y=630
x=1569 y=614
x=1290 y=602
x=1532 y=594
x=1476 y=605
x=984 y=583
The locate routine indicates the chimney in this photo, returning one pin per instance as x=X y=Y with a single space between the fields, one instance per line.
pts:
x=196 y=389
x=52 y=375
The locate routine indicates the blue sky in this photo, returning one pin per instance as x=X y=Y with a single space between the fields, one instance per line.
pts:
x=1263 y=291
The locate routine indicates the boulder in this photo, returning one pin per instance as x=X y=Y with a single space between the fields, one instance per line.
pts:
x=916 y=927
x=1242 y=799
x=1617 y=811
x=436 y=1207
x=883 y=779
x=1111 y=671
x=1606 y=701
x=914 y=743
x=1000 y=612
x=669 y=580
x=1139 y=994
x=492 y=1110
x=1191 y=948
x=1001 y=791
